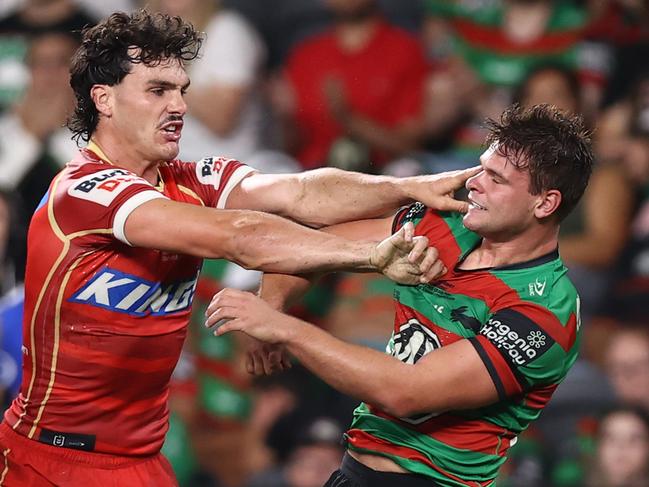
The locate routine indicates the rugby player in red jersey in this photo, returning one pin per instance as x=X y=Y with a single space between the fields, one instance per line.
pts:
x=116 y=245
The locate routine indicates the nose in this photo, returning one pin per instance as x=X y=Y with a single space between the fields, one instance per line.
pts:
x=473 y=183
x=177 y=104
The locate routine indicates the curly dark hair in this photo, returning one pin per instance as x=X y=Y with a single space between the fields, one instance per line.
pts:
x=555 y=147
x=106 y=56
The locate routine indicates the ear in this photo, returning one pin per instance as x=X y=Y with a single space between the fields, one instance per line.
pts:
x=102 y=95
x=548 y=203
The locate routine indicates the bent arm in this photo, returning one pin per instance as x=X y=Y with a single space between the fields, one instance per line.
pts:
x=451 y=377
x=438 y=382
x=252 y=239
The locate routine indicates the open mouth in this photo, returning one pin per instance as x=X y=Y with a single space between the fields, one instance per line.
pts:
x=475 y=205
x=172 y=130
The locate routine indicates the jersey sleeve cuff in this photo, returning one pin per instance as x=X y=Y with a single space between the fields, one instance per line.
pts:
x=236 y=177
x=484 y=356
x=127 y=208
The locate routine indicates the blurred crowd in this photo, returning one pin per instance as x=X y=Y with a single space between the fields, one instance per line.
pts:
x=380 y=86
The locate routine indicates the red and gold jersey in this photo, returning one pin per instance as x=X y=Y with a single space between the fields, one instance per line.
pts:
x=105 y=321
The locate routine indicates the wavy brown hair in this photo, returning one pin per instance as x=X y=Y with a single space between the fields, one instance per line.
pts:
x=109 y=49
x=555 y=147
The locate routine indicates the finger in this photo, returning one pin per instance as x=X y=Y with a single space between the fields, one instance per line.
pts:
x=458 y=180
x=419 y=249
x=258 y=364
x=449 y=203
x=409 y=232
x=250 y=363
x=402 y=240
x=220 y=315
x=286 y=362
x=437 y=270
x=451 y=181
x=232 y=325
x=275 y=359
x=430 y=257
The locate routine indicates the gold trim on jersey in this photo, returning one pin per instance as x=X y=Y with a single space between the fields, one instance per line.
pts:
x=55 y=349
x=66 y=245
x=94 y=147
x=65 y=239
x=6 y=469
x=184 y=189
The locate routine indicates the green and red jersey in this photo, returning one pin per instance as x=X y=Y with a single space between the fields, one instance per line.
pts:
x=479 y=39
x=523 y=321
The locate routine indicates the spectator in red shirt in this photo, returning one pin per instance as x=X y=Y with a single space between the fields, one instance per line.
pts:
x=353 y=94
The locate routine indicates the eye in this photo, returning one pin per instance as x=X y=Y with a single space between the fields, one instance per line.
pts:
x=157 y=91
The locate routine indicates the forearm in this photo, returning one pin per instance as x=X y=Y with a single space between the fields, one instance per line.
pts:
x=252 y=239
x=274 y=244
x=329 y=196
x=361 y=372
x=282 y=290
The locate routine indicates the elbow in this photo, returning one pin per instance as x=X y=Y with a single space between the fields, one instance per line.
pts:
x=238 y=242
x=398 y=402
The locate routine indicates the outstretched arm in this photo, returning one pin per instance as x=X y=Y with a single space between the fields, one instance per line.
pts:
x=270 y=243
x=451 y=377
x=328 y=196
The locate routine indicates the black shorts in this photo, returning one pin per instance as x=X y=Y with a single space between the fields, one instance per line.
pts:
x=354 y=474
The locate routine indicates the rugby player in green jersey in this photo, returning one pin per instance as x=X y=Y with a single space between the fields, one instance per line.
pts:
x=476 y=355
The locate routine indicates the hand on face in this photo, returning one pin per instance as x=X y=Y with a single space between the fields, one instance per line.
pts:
x=234 y=310
x=436 y=191
x=407 y=259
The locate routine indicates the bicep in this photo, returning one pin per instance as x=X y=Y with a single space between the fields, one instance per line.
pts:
x=271 y=193
x=451 y=377
x=179 y=227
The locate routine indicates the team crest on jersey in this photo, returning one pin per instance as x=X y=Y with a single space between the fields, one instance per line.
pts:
x=413 y=341
x=125 y=293
x=103 y=187
x=209 y=170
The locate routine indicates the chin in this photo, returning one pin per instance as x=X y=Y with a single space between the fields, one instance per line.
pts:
x=169 y=153
x=469 y=222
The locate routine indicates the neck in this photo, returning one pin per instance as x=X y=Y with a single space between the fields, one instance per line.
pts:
x=121 y=156
x=523 y=248
x=354 y=36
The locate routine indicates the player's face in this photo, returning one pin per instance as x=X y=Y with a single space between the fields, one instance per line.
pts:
x=148 y=109
x=501 y=206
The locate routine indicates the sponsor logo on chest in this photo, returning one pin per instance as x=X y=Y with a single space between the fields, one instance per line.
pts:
x=126 y=293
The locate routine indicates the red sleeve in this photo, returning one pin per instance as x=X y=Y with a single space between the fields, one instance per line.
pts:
x=211 y=178
x=94 y=197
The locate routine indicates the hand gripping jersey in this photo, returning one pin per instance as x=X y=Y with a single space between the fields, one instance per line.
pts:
x=104 y=321
x=523 y=321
